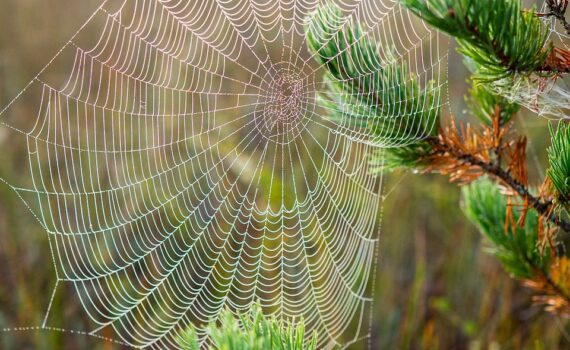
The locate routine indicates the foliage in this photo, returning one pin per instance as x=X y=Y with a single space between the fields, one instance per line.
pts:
x=252 y=331
x=372 y=91
x=559 y=160
x=493 y=33
x=484 y=104
x=516 y=246
x=411 y=156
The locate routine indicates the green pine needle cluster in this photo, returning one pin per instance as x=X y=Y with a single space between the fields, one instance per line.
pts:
x=410 y=157
x=368 y=88
x=559 y=160
x=498 y=35
x=251 y=331
x=486 y=208
x=484 y=104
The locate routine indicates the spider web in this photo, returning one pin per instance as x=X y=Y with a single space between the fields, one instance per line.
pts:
x=184 y=165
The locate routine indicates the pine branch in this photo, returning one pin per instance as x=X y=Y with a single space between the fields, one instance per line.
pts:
x=501 y=42
x=493 y=33
x=367 y=87
x=517 y=249
x=544 y=208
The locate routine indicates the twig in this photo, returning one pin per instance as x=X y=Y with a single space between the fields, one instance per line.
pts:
x=557 y=10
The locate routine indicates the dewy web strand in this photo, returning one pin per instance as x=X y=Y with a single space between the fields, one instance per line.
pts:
x=186 y=165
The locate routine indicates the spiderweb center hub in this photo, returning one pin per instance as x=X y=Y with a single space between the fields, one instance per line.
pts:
x=282 y=111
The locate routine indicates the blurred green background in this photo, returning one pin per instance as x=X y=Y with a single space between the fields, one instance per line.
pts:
x=436 y=286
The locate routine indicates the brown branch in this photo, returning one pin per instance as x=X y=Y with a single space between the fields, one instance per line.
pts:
x=495 y=170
